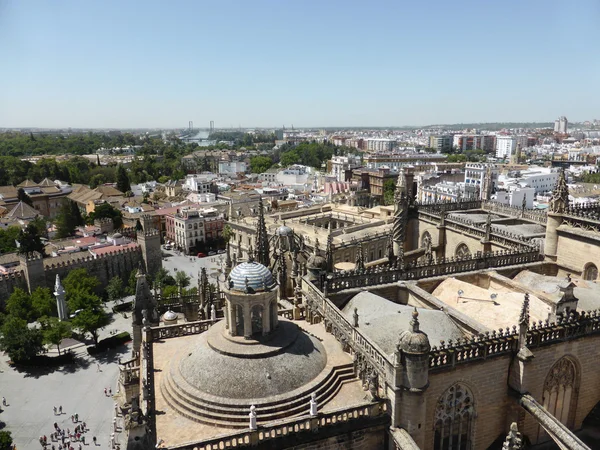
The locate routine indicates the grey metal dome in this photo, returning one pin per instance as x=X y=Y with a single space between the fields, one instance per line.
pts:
x=284 y=230
x=250 y=276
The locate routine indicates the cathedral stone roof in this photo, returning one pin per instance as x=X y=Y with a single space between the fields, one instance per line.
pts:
x=251 y=274
x=384 y=321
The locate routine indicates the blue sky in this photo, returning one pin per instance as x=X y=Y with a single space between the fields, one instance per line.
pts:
x=306 y=63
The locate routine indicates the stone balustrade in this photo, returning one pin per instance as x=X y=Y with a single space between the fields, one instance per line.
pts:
x=505 y=341
x=535 y=215
x=181 y=329
x=286 y=313
x=288 y=427
x=371 y=276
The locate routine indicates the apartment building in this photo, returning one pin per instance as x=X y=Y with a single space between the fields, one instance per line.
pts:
x=465 y=142
x=188 y=227
x=441 y=143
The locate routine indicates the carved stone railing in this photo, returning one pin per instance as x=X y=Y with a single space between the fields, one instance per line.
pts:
x=371 y=276
x=477 y=348
x=348 y=335
x=505 y=341
x=449 y=206
x=286 y=313
x=585 y=223
x=584 y=210
x=288 y=427
x=130 y=375
x=183 y=329
x=535 y=215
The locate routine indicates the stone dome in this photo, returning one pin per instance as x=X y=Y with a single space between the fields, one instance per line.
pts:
x=170 y=315
x=414 y=341
x=117 y=236
x=284 y=230
x=259 y=277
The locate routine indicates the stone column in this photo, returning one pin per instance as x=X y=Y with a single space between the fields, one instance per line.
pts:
x=551 y=243
x=247 y=321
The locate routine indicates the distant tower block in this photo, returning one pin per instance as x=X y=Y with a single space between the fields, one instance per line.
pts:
x=212 y=126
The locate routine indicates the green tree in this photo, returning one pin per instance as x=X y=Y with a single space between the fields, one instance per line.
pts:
x=54 y=331
x=41 y=226
x=79 y=279
x=132 y=283
x=114 y=289
x=107 y=211
x=43 y=302
x=30 y=240
x=161 y=276
x=389 y=186
x=123 y=184
x=182 y=279
x=23 y=197
x=260 y=164
x=68 y=219
x=163 y=179
x=97 y=180
x=8 y=238
x=289 y=159
x=6 y=440
x=91 y=320
x=227 y=233
x=19 y=305
x=20 y=342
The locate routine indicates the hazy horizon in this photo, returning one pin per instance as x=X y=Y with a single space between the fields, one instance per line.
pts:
x=264 y=64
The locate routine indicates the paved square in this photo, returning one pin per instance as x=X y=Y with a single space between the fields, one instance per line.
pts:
x=79 y=388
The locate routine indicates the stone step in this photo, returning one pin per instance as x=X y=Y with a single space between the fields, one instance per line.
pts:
x=237 y=416
x=324 y=393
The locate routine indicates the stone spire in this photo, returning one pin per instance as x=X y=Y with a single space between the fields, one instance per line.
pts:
x=390 y=251
x=524 y=352
x=488 y=227
x=262 y=239
x=560 y=195
x=524 y=202
x=61 y=304
x=513 y=440
x=414 y=323
x=486 y=185
x=400 y=216
x=203 y=290
x=524 y=316
x=228 y=262
x=329 y=251
x=282 y=277
x=360 y=259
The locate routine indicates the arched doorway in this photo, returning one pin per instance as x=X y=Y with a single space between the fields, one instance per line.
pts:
x=453 y=420
x=256 y=318
x=590 y=272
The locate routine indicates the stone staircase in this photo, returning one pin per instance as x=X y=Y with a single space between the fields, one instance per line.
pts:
x=191 y=403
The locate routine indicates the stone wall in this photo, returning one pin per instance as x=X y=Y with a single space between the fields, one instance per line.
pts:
x=575 y=250
x=8 y=283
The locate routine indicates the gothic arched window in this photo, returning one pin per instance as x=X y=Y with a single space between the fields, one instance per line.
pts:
x=426 y=240
x=462 y=251
x=560 y=390
x=454 y=419
x=590 y=273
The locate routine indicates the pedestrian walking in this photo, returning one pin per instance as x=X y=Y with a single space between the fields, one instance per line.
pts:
x=84 y=426
x=105 y=392
x=98 y=367
x=94 y=439
x=54 y=408
x=3 y=401
x=109 y=391
x=60 y=409
x=72 y=418
x=83 y=439
x=76 y=418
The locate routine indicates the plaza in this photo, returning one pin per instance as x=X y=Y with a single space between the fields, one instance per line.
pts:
x=79 y=388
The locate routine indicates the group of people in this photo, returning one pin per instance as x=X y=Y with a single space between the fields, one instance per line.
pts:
x=65 y=439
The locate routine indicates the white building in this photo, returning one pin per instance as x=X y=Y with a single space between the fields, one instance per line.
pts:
x=505 y=146
x=381 y=145
x=293 y=176
x=201 y=183
x=474 y=173
x=339 y=165
x=540 y=179
x=561 y=125
x=231 y=167
x=514 y=196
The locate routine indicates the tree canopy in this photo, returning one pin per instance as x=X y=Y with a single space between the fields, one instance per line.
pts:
x=123 y=184
x=260 y=164
x=68 y=219
x=30 y=240
x=20 y=342
x=107 y=211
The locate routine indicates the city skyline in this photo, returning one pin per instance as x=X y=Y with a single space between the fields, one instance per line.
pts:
x=268 y=64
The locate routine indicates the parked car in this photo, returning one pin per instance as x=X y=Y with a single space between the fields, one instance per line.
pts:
x=201 y=255
x=212 y=253
x=221 y=251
